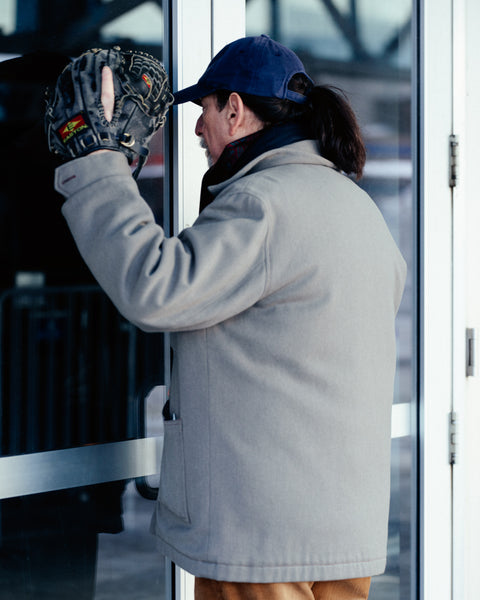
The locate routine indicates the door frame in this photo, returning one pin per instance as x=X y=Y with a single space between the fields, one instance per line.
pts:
x=196 y=30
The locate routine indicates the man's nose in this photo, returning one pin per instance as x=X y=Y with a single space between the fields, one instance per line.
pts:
x=199 y=126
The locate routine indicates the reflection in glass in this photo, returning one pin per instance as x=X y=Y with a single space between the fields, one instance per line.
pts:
x=129 y=564
x=364 y=47
x=49 y=541
x=73 y=372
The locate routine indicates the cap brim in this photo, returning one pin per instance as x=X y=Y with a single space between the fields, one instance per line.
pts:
x=195 y=93
x=190 y=94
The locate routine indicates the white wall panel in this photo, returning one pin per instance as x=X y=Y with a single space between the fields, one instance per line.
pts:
x=228 y=22
x=467 y=486
x=437 y=278
x=191 y=52
x=200 y=28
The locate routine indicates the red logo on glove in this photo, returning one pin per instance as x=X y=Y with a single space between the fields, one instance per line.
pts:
x=147 y=80
x=72 y=127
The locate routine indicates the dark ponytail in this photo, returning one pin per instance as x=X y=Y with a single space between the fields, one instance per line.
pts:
x=335 y=126
x=326 y=115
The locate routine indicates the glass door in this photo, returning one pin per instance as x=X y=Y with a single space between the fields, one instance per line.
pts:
x=81 y=389
x=366 y=48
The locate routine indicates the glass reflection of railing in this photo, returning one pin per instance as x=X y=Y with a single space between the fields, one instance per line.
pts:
x=72 y=370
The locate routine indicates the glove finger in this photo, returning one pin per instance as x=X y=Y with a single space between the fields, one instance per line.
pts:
x=88 y=71
x=84 y=71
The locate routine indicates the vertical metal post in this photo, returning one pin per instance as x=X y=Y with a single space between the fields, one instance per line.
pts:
x=275 y=20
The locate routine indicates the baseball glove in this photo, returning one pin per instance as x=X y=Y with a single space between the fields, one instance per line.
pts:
x=75 y=121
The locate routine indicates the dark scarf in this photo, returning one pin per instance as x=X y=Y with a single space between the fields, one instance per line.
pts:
x=240 y=152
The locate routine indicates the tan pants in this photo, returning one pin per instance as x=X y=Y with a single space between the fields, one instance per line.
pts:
x=347 y=589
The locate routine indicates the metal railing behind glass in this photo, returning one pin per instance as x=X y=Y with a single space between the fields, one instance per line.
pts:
x=73 y=372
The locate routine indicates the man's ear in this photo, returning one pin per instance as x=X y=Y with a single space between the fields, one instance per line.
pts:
x=235 y=113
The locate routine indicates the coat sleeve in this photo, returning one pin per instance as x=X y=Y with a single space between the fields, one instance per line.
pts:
x=208 y=273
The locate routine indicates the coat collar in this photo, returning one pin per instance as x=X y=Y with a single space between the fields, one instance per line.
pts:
x=303 y=152
x=243 y=151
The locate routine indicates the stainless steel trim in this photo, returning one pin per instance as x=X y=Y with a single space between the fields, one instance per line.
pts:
x=75 y=467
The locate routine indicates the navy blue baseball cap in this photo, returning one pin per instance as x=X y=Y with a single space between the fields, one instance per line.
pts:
x=253 y=65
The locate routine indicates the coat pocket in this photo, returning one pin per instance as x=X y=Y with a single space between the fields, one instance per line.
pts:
x=172 y=491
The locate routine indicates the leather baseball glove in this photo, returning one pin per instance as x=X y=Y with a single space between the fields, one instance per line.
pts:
x=75 y=119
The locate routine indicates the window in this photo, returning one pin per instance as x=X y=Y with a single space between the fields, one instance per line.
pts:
x=81 y=389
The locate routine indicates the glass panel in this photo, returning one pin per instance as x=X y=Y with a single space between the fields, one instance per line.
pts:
x=88 y=543
x=365 y=48
x=73 y=372
x=60 y=338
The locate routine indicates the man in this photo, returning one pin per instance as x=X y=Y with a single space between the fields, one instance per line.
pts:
x=282 y=298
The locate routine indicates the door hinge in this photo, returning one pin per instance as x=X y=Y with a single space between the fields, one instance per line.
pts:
x=453 y=160
x=471 y=352
x=453 y=437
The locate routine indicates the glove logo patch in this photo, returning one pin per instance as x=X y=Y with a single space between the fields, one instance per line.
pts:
x=147 y=80
x=72 y=127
